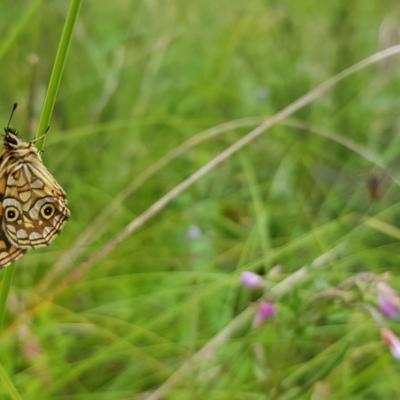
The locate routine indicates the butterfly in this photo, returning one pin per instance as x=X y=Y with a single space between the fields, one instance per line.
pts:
x=33 y=206
x=376 y=186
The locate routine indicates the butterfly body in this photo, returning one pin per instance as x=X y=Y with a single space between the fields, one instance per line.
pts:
x=33 y=206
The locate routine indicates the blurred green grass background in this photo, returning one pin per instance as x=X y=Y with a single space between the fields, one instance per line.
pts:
x=142 y=77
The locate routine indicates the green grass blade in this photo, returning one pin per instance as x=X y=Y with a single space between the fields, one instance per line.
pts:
x=5 y=289
x=19 y=26
x=58 y=69
x=7 y=384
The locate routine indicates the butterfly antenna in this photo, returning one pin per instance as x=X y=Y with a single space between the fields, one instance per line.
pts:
x=12 y=113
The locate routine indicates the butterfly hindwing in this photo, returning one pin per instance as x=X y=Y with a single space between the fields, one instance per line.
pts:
x=34 y=206
x=8 y=252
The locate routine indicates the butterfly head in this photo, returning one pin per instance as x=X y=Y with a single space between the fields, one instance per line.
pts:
x=11 y=139
x=16 y=148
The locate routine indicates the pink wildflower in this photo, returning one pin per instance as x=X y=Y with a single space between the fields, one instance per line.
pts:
x=388 y=300
x=387 y=308
x=392 y=341
x=265 y=311
x=250 y=279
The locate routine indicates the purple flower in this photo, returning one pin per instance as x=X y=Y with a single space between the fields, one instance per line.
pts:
x=387 y=307
x=388 y=300
x=265 y=312
x=193 y=232
x=392 y=341
x=250 y=279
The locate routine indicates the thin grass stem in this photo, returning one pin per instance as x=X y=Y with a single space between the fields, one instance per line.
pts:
x=58 y=68
x=277 y=118
x=5 y=290
x=19 y=26
x=7 y=384
x=98 y=226
x=50 y=99
x=243 y=318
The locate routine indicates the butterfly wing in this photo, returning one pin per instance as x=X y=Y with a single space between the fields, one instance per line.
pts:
x=34 y=206
x=8 y=252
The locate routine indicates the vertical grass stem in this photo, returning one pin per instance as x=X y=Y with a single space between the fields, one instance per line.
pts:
x=54 y=84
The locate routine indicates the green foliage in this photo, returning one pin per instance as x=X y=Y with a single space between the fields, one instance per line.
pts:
x=163 y=313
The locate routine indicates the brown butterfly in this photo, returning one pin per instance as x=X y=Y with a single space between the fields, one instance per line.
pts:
x=33 y=206
x=375 y=187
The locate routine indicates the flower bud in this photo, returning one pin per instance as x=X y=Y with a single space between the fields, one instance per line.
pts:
x=265 y=312
x=250 y=279
x=392 y=341
x=388 y=300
